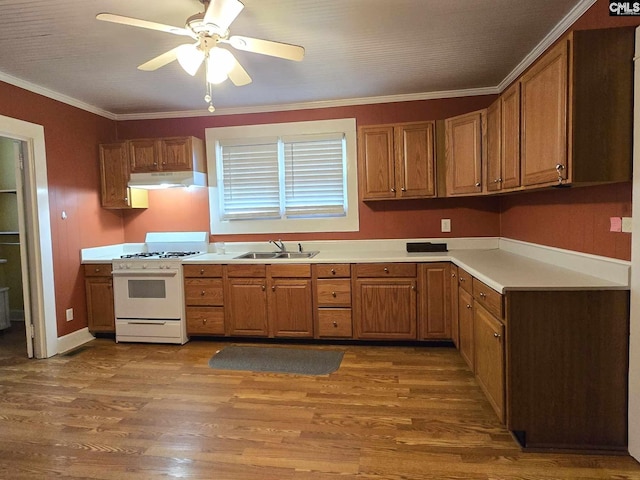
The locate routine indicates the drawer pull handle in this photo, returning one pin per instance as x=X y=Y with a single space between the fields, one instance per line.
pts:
x=478 y=184
x=264 y=288
x=386 y=270
x=333 y=271
x=201 y=271
x=468 y=306
x=202 y=293
x=97 y=269
x=453 y=275
x=204 y=320
x=273 y=288
x=335 y=324
x=333 y=294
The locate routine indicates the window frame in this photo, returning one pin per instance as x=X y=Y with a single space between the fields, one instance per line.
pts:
x=344 y=223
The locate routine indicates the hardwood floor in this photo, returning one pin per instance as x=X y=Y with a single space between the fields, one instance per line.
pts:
x=135 y=411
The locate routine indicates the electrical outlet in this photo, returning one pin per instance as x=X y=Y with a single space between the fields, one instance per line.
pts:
x=445 y=225
x=69 y=314
x=626 y=224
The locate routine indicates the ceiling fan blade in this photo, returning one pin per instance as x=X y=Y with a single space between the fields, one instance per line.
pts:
x=222 y=12
x=160 y=60
x=267 y=47
x=135 y=22
x=239 y=75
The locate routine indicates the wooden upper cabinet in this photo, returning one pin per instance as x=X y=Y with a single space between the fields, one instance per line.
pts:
x=544 y=118
x=167 y=154
x=397 y=161
x=577 y=110
x=510 y=138
x=464 y=147
x=114 y=177
x=493 y=162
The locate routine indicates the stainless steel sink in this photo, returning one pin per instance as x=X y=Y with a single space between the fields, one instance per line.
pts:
x=276 y=255
x=297 y=254
x=258 y=255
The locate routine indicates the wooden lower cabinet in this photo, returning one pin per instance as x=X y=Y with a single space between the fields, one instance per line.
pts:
x=101 y=316
x=385 y=308
x=488 y=334
x=453 y=288
x=246 y=307
x=290 y=308
x=204 y=299
x=434 y=308
x=334 y=322
x=465 y=326
x=332 y=300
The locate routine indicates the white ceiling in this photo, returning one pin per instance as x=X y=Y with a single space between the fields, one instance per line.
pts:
x=357 y=51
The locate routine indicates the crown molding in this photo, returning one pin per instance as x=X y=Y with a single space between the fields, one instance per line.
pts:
x=348 y=102
x=557 y=31
x=45 y=92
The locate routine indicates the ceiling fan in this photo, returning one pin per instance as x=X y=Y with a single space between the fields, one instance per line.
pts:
x=209 y=29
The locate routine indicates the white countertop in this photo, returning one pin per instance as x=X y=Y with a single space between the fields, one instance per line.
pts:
x=500 y=263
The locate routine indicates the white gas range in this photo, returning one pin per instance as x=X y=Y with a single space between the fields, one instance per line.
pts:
x=148 y=288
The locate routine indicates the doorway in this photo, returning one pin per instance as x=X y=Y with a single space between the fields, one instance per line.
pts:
x=15 y=320
x=34 y=234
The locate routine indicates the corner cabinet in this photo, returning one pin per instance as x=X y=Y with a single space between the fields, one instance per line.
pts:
x=464 y=153
x=397 y=161
x=114 y=179
x=577 y=110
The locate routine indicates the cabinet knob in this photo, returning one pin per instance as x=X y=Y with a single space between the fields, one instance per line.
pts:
x=126 y=199
x=462 y=279
x=97 y=269
x=264 y=288
x=497 y=180
x=333 y=294
x=478 y=184
x=333 y=271
x=155 y=163
x=496 y=335
x=273 y=288
x=202 y=271
x=204 y=320
x=483 y=295
x=393 y=190
x=403 y=189
x=164 y=163
x=386 y=270
x=335 y=324
x=468 y=306
x=559 y=169
x=453 y=275
x=202 y=293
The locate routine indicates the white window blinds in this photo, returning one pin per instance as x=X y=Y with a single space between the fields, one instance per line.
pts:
x=296 y=176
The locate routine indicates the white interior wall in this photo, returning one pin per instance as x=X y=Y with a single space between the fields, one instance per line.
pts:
x=634 y=339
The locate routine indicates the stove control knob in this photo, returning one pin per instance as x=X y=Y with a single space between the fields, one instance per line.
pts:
x=144 y=265
x=162 y=266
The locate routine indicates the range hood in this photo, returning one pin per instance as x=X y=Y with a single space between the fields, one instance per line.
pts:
x=157 y=180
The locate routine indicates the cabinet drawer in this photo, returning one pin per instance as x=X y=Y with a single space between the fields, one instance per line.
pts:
x=331 y=270
x=386 y=270
x=257 y=270
x=290 y=271
x=203 y=291
x=335 y=322
x=487 y=297
x=98 y=270
x=334 y=293
x=205 y=321
x=465 y=280
x=202 y=270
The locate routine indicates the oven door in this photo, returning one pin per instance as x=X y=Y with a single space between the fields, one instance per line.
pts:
x=147 y=294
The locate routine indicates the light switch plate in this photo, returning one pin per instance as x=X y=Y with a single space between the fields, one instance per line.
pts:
x=445 y=225
x=69 y=314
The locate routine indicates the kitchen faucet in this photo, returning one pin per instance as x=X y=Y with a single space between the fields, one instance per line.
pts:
x=280 y=244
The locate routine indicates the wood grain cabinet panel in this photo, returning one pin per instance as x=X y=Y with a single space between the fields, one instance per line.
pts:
x=203 y=291
x=205 y=320
x=99 y=291
x=489 y=360
x=334 y=293
x=386 y=270
x=434 y=309
x=464 y=153
x=335 y=323
x=114 y=179
x=169 y=154
x=204 y=299
x=397 y=161
x=246 y=311
x=453 y=288
x=333 y=270
x=465 y=325
x=290 y=308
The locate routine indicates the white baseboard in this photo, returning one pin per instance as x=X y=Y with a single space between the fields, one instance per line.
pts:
x=74 y=340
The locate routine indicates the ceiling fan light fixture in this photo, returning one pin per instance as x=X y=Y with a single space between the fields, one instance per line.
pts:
x=219 y=63
x=190 y=58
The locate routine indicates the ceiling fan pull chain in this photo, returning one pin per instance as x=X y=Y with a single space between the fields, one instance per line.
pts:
x=208 y=98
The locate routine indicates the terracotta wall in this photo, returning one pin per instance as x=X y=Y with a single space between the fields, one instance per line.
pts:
x=71 y=139
x=182 y=209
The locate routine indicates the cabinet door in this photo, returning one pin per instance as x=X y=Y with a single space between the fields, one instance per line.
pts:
x=489 y=357
x=494 y=148
x=246 y=306
x=144 y=155
x=415 y=171
x=176 y=154
x=510 y=137
x=290 y=308
x=100 y=311
x=376 y=163
x=465 y=324
x=386 y=309
x=463 y=153
x=453 y=286
x=544 y=118
x=114 y=175
x=435 y=303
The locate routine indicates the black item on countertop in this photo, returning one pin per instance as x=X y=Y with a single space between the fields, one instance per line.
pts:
x=426 y=247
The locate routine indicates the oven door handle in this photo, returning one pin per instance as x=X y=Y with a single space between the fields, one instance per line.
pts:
x=144 y=273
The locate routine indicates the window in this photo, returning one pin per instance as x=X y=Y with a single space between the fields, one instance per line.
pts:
x=289 y=177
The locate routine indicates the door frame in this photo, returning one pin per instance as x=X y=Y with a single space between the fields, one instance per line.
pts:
x=38 y=227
